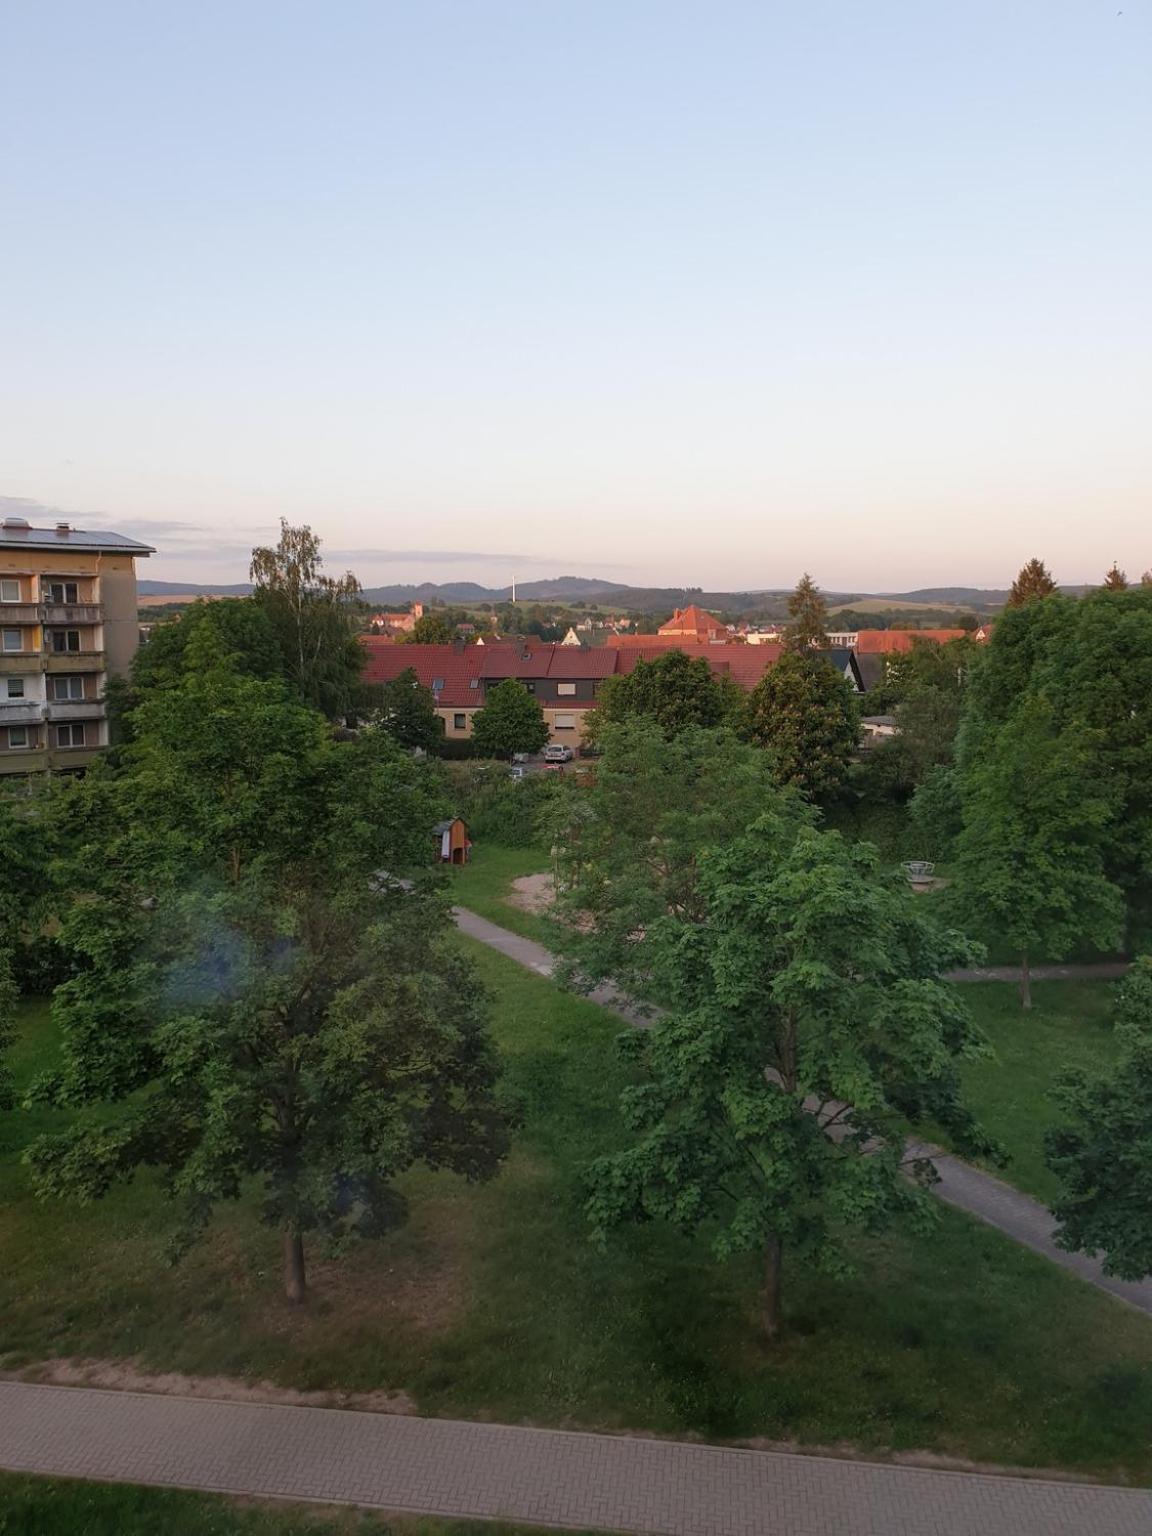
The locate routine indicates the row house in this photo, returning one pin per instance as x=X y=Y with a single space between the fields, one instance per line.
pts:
x=566 y=681
x=68 y=621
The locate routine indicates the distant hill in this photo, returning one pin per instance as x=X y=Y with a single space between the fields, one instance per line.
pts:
x=770 y=602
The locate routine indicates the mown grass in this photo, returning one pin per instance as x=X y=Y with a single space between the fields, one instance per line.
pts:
x=1069 y=1025
x=484 y=885
x=493 y=1302
x=47 y=1506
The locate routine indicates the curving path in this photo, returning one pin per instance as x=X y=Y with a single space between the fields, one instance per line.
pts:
x=969 y=1189
x=539 y=1476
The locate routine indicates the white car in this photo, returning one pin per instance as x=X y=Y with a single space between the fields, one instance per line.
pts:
x=557 y=753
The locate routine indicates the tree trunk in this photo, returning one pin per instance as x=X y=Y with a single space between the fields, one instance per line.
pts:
x=771 y=1294
x=1025 y=982
x=294 y=1279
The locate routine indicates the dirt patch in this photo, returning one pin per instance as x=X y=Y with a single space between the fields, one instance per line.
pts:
x=125 y=1376
x=533 y=893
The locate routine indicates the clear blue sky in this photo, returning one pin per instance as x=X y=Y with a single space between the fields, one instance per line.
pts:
x=701 y=293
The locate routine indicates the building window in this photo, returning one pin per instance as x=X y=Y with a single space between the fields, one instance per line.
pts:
x=564 y=723
x=67 y=688
x=529 y=684
x=474 y=682
x=70 y=735
x=566 y=689
x=60 y=592
x=13 y=640
x=64 y=640
x=9 y=591
x=17 y=737
x=15 y=687
x=437 y=684
x=459 y=722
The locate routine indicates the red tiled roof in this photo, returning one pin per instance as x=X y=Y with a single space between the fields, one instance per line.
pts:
x=693 y=620
x=887 y=642
x=670 y=642
x=744 y=664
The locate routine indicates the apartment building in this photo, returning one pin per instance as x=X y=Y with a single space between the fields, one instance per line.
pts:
x=68 y=622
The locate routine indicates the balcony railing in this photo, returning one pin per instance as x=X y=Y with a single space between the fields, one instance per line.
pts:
x=19 y=613
x=20 y=712
x=20 y=662
x=73 y=661
x=74 y=709
x=71 y=613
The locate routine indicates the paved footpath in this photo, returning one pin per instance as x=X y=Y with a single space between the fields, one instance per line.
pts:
x=969 y=1189
x=539 y=1476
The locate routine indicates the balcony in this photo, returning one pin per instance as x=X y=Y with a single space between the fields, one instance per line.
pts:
x=20 y=663
x=19 y=613
x=70 y=759
x=20 y=712
x=72 y=613
x=73 y=661
x=72 y=709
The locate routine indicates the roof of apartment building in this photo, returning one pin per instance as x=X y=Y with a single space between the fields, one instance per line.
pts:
x=18 y=533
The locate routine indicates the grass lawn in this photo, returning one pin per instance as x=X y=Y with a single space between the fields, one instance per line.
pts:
x=48 y=1506
x=484 y=885
x=1069 y=1025
x=493 y=1303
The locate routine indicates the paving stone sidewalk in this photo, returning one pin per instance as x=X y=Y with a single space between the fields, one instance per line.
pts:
x=544 y=1477
x=961 y=1185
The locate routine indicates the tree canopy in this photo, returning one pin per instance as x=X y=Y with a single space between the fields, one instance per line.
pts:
x=1102 y=1154
x=803 y=710
x=1115 y=580
x=808 y=1026
x=314 y=617
x=407 y=711
x=675 y=690
x=807 y=627
x=1034 y=581
x=266 y=985
x=510 y=721
x=431 y=629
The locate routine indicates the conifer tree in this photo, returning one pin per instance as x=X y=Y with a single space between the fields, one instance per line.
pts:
x=1034 y=580
x=807 y=618
x=1116 y=580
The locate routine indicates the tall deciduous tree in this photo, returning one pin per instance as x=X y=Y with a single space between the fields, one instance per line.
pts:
x=629 y=844
x=1034 y=581
x=805 y=713
x=1031 y=855
x=510 y=721
x=314 y=618
x=431 y=629
x=267 y=987
x=675 y=690
x=807 y=618
x=407 y=711
x=808 y=1027
x=1103 y=1154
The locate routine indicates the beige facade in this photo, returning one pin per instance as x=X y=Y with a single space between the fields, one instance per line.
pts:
x=565 y=726
x=68 y=622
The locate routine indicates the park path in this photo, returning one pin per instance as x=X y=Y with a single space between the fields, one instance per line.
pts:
x=539 y=1476
x=961 y=1185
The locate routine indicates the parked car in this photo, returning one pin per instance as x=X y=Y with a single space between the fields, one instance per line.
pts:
x=558 y=753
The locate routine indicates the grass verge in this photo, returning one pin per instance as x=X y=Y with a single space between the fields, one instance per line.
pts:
x=49 y=1506
x=493 y=1303
x=484 y=886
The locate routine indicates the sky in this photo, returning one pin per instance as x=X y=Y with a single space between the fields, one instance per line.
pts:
x=697 y=294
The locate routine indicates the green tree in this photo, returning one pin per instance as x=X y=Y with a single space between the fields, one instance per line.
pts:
x=510 y=721
x=1115 y=580
x=807 y=627
x=407 y=711
x=675 y=690
x=809 y=1026
x=628 y=845
x=315 y=618
x=1103 y=1154
x=238 y=627
x=1030 y=857
x=805 y=713
x=268 y=988
x=431 y=629
x=8 y=996
x=1034 y=581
